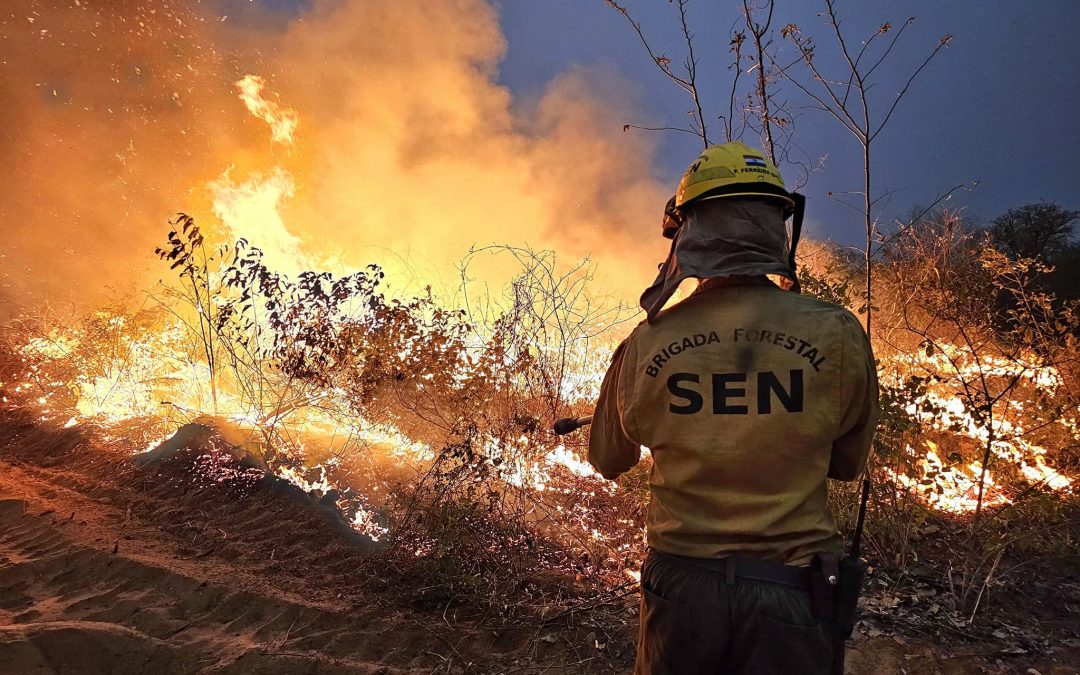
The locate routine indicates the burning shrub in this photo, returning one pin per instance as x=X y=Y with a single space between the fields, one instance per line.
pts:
x=445 y=414
x=107 y=368
x=977 y=352
x=978 y=369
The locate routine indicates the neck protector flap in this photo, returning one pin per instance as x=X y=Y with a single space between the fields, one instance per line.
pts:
x=723 y=237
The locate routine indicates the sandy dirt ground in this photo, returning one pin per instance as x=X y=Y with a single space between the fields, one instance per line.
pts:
x=108 y=569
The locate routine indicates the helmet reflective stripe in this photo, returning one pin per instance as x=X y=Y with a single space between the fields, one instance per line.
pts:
x=713 y=173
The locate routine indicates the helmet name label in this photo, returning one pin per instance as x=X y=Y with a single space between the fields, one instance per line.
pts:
x=757 y=170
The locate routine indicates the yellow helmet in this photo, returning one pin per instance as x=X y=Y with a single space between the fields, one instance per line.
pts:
x=731 y=170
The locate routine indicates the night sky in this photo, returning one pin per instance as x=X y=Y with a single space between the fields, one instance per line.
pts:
x=997 y=105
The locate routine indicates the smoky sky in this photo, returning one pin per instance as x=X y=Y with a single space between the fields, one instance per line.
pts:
x=995 y=107
x=502 y=118
x=408 y=151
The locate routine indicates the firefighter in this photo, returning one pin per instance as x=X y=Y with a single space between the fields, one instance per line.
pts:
x=748 y=395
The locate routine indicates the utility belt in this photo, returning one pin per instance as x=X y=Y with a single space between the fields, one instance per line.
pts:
x=833 y=584
x=743 y=567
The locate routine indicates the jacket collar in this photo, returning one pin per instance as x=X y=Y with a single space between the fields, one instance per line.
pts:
x=733 y=280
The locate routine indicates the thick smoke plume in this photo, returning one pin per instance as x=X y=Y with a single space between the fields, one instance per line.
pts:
x=108 y=120
x=405 y=150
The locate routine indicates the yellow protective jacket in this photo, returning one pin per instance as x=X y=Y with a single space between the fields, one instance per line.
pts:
x=748 y=396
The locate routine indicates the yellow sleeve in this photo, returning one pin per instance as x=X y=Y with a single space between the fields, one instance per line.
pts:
x=859 y=403
x=611 y=451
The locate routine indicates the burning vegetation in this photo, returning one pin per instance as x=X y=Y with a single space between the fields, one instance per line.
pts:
x=425 y=414
x=430 y=425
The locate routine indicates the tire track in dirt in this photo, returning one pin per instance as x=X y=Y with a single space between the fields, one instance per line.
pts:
x=67 y=608
x=105 y=568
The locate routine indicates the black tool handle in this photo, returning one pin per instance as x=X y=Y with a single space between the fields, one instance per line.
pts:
x=567 y=425
x=856 y=539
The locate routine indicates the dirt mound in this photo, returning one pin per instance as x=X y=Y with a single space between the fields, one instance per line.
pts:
x=203 y=435
x=229 y=448
x=101 y=577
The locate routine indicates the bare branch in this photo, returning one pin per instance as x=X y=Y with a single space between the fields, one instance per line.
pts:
x=758 y=31
x=888 y=50
x=691 y=71
x=941 y=44
x=664 y=63
x=837 y=109
x=840 y=114
x=737 y=39
x=628 y=127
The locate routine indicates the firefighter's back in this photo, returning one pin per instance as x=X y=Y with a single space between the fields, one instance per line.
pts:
x=740 y=392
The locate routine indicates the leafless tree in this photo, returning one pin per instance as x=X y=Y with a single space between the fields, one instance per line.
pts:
x=846 y=99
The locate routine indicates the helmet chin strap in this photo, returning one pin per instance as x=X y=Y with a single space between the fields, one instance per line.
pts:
x=796 y=232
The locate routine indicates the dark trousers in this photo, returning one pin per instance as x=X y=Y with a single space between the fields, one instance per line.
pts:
x=697 y=620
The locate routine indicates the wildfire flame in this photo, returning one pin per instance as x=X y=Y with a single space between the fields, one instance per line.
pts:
x=283 y=121
x=944 y=407
x=250 y=209
x=146 y=367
